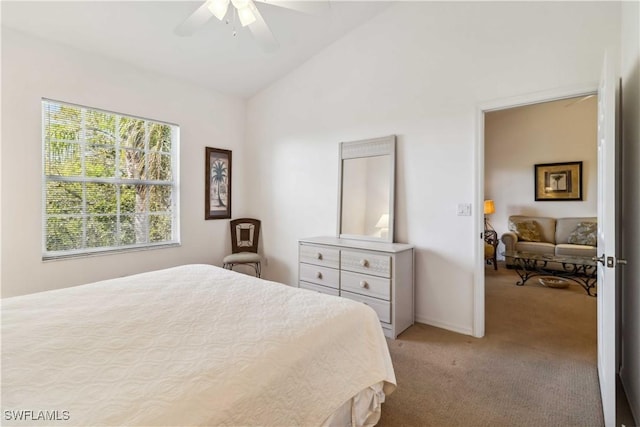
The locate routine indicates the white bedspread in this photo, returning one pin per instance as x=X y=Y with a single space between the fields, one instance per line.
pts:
x=191 y=345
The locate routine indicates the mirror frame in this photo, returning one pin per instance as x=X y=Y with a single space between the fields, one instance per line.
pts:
x=385 y=146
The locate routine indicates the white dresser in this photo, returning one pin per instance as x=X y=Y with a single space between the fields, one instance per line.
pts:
x=378 y=274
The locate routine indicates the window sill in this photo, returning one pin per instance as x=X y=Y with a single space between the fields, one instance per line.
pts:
x=114 y=251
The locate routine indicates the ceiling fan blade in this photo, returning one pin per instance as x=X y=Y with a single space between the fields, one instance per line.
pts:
x=304 y=6
x=194 y=21
x=261 y=31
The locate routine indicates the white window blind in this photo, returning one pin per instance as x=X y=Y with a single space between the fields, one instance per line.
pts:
x=109 y=181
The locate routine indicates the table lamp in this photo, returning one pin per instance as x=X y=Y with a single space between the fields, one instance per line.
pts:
x=489 y=208
x=383 y=225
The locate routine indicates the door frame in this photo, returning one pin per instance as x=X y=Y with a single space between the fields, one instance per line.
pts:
x=478 y=328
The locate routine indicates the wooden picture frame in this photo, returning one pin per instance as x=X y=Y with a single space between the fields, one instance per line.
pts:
x=558 y=181
x=217 y=184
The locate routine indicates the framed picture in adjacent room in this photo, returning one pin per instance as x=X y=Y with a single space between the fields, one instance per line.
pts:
x=558 y=181
x=217 y=183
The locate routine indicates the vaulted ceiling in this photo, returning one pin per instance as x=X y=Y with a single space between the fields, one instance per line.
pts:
x=141 y=33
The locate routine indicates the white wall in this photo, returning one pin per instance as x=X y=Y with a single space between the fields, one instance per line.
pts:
x=518 y=138
x=418 y=70
x=630 y=72
x=34 y=68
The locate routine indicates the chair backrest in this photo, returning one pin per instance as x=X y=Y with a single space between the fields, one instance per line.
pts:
x=244 y=235
x=491 y=237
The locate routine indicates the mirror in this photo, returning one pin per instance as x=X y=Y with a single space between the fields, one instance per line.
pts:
x=366 y=193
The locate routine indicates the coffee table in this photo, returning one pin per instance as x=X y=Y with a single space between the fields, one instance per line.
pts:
x=581 y=270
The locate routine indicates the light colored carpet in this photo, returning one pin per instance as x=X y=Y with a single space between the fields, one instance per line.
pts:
x=536 y=365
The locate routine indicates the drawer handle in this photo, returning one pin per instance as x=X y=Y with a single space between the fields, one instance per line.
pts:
x=318 y=275
x=319 y=255
x=364 y=284
x=364 y=263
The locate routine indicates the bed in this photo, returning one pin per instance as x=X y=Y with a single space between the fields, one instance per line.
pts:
x=191 y=345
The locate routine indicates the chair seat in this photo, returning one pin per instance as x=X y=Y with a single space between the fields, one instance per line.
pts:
x=489 y=250
x=242 y=258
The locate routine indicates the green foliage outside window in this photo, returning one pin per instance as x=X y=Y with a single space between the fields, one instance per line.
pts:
x=109 y=180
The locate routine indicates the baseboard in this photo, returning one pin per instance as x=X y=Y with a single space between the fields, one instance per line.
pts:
x=444 y=325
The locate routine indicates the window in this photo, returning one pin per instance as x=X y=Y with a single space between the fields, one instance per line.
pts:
x=109 y=181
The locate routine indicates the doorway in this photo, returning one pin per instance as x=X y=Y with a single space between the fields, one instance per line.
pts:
x=517 y=140
x=557 y=323
x=567 y=96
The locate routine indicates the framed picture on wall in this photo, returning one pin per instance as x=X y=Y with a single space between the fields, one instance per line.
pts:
x=558 y=181
x=217 y=194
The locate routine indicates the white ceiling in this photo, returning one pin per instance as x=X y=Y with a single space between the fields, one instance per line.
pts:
x=141 y=33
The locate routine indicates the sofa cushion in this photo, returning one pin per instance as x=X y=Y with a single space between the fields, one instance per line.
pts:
x=546 y=226
x=527 y=231
x=584 y=234
x=566 y=226
x=536 y=247
x=568 y=249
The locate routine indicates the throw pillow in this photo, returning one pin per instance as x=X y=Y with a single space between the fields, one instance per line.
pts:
x=527 y=231
x=584 y=234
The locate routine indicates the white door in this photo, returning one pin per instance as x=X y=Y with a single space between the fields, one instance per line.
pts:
x=607 y=202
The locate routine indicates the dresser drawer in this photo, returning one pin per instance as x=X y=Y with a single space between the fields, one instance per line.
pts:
x=363 y=262
x=373 y=286
x=382 y=308
x=320 y=255
x=319 y=275
x=318 y=288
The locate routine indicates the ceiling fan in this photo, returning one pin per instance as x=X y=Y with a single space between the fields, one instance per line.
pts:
x=248 y=15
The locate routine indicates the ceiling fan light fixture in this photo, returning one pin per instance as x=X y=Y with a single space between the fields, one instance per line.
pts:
x=240 y=4
x=218 y=8
x=246 y=16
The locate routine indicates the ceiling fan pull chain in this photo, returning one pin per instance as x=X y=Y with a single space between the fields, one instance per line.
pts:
x=235 y=15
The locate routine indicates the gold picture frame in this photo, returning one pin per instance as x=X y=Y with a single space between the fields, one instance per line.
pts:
x=558 y=181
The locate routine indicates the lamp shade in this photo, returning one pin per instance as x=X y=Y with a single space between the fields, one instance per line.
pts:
x=489 y=207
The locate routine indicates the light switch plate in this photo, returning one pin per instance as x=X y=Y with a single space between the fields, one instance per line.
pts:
x=464 y=209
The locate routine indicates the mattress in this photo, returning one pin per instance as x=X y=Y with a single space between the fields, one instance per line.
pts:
x=190 y=345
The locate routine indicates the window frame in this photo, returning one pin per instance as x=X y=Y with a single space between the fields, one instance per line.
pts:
x=116 y=180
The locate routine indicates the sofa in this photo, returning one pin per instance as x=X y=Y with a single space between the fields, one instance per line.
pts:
x=552 y=236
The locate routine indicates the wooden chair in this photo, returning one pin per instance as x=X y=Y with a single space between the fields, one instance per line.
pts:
x=491 y=248
x=245 y=233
